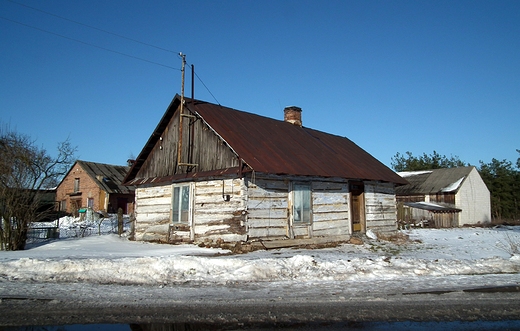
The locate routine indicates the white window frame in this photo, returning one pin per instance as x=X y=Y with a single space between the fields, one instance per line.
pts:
x=179 y=206
x=301 y=212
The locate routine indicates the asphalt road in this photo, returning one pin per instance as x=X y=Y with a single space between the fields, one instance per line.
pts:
x=24 y=304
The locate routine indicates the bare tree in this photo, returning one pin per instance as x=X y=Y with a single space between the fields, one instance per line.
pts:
x=25 y=171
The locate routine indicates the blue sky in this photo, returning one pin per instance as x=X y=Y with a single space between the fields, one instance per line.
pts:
x=393 y=76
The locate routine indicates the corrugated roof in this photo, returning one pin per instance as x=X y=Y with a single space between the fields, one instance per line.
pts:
x=277 y=147
x=433 y=181
x=433 y=207
x=108 y=177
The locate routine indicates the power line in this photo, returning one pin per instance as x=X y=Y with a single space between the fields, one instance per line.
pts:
x=90 y=44
x=93 y=27
x=100 y=47
x=206 y=88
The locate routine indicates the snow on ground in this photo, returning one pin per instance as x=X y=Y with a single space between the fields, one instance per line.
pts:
x=110 y=259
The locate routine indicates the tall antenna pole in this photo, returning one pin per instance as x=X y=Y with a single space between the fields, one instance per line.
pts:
x=181 y=112
x=192 y=82
x=189 y=166
x=183 y=75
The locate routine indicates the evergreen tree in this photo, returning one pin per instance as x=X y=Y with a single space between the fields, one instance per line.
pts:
x=409 y=162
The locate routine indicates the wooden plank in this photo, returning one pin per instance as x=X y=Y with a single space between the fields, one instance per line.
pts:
x=153 y=209
x=273 y=244
x=329 y=199
x=266 y=223
x=264 y=233
x=329 y=224
x=267 y=214
x=326 y=217
x=318 y=209
x=154 y=192
x=336 y=231
x=319 y=185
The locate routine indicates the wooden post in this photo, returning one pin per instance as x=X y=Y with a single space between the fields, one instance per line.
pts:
x=119 y=221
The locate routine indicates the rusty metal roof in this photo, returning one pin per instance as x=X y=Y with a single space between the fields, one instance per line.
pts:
x=273 y=146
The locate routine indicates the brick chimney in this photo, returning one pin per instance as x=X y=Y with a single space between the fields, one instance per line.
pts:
x=293 y=115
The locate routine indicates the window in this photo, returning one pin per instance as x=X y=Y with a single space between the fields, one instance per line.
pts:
x=76 y=185
x=90 y=202
x=181 y=204
x=302 y=203
x=63 y=206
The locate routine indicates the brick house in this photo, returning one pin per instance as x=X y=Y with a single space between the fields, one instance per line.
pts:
x=97 y=186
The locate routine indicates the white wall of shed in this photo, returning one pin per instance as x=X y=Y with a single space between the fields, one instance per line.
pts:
x=474 y=199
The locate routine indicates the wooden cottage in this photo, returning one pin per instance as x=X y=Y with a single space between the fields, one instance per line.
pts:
x=97 y=186
x=450 y=197
x=210 y=173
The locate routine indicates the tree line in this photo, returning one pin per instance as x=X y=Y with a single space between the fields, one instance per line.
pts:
x=501 y=177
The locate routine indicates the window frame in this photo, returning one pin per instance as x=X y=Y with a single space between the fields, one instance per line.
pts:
x=76 y=185
x=299 y=190
x=183 y=205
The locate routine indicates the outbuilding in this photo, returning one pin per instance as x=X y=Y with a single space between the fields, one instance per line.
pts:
x=450 y=197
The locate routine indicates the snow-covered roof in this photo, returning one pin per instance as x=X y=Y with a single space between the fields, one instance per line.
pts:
x=413 y=173
x=433 y=181
x=433 y=207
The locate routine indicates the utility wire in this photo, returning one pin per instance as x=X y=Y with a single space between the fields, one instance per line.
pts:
x=90 y=44
x=206 y=88
x=100 y=47
x=95 y=28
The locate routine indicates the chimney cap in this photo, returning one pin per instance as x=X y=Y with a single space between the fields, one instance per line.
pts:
x=294 y=108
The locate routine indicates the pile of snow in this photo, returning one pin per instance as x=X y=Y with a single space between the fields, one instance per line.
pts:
x=110 y=259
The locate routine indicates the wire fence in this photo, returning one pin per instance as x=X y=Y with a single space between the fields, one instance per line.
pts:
x=69 y=227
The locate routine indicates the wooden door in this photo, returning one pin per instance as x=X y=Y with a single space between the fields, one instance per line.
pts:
x=357 y=207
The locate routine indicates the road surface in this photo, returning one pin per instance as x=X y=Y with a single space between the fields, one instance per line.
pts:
x=24 y=304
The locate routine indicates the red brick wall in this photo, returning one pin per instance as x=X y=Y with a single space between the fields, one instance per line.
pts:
x=87 y=189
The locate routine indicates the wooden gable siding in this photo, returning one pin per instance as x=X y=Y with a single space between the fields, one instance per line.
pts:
x=208 y=150
x=380 y=207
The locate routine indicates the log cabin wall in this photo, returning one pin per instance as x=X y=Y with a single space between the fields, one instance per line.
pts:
x=219 y=210
x=269 y=208
x=330 y=209
x=152 y=213
x=235 y=209
x=380 y=207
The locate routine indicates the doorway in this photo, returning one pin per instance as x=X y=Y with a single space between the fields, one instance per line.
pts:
x=357 y=207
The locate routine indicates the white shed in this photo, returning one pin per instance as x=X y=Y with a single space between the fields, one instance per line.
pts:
x=456 y=188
